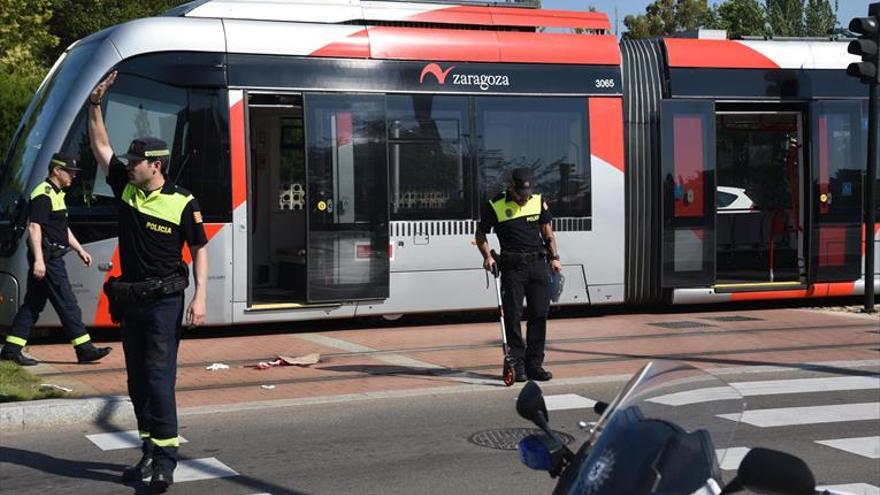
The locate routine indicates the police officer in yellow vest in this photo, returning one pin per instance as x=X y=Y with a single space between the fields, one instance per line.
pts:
x=49 y=240
x=156 y=218
x=522 y=222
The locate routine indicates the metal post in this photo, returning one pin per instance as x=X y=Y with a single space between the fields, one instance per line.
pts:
x=870 y=193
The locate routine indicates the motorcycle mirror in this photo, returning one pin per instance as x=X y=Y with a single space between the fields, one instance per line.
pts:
x=773 y=473
x=530 y=405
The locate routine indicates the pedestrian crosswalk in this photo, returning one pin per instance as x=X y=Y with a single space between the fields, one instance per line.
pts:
x=853 y=488
x=811 y=407
x=187 y=469
x=769 y=387
x=808 y=415
x=864 y=446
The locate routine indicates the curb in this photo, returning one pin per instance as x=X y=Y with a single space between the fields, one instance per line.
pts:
x=42 y=414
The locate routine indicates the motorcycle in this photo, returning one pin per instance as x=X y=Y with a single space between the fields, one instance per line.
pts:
x=643 y=445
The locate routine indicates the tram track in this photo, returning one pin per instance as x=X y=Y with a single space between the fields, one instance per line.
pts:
x=477 y=371
x=708 y=331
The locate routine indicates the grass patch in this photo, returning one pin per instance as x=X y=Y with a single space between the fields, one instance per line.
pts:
x=17 y=384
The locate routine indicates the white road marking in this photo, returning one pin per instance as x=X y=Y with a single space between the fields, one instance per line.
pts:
x=853 y=488
x=202 y=469
x=567 y=401
x=790 y=416
x=119 y=440
x=769 y=387
x=730 y=458
x=864 y=446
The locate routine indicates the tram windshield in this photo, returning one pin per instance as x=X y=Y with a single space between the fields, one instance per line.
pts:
x=155 y=95
x=36 y=124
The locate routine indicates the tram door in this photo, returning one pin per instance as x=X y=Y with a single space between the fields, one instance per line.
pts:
x=688 y=192
x=319 y=211
x=347 y=207
x=759 y=219
x=838 y=163
x=277 y=181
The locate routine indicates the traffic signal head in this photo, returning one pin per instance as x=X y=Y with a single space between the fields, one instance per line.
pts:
x=867 y=47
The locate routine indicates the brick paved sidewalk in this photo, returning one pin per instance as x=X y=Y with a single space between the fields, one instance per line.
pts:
x=424 y=357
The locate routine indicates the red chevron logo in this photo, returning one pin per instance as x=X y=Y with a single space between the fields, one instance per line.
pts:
x=436 y=71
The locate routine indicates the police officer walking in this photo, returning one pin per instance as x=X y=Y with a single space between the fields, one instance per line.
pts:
x=522 y=222
x=155 y=219
x=49 y=240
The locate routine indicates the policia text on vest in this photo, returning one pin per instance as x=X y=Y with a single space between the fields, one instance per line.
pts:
x=49 y=240
x=522 y=222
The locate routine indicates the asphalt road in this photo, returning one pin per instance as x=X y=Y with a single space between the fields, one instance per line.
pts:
x=421 y=444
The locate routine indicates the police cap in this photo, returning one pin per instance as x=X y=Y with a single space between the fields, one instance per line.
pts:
x=66 y=162
x=147 y=148
x=522 y=181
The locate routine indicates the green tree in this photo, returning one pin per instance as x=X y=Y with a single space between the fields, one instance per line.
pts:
x=819 y=18
x=665 y=17
x=16 y=91
x=76 y=19
x=24 y=36
x=786 y=17
x=742 y=18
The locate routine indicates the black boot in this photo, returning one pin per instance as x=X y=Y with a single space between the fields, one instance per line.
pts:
x=539 y=374
x=519 y=371
x=163 y=477
x=91 y=353
x=144 y=467
x=16 y=356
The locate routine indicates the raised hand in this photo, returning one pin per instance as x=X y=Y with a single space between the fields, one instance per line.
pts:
x=101 y=89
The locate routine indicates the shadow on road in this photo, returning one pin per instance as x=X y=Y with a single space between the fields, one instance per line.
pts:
x=427 y=373
x=68 y=468
x=105 y=422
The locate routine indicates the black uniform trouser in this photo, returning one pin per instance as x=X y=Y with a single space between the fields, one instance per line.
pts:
x=150 y=339
x=54 y=287
x=532 y=281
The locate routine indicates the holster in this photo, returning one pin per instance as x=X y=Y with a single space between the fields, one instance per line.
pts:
x=52 y=250
x=121 y=294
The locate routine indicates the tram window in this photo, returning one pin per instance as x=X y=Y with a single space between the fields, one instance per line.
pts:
x=192 y=121
x=844 y=170
x=428 y=164
x=549 y=135
x=345 y=148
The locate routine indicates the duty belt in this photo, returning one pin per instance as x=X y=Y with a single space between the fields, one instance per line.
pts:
x=121 y=294
x=512 y=257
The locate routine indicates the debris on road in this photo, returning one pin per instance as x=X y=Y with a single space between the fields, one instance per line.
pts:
x=52 y=386
x=217 y=366
x=307 y=360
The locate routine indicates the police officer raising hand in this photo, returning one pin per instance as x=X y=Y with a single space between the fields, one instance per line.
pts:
x=156 y=218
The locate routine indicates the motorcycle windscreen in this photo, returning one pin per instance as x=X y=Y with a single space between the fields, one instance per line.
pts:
x=838 y=161
x=688 y=193
x=666 y=432
x=347 y=171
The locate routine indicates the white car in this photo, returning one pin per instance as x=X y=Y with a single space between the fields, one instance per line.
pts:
x=733 y=200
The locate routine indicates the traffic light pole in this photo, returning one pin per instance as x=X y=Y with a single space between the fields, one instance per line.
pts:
x=870 y=193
